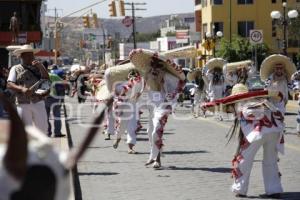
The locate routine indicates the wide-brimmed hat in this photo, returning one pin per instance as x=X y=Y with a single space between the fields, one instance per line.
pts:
x=118 y=73
x=141 y=59
x=267 y=66
x=233 y=66
x=186 y=52
x=191 y=76
x=25 y=49
x=215 y=63
x=240 y=93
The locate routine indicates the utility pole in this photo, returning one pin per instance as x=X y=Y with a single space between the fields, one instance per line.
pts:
x=230 y=22
x=133 y=26
x=133 y=9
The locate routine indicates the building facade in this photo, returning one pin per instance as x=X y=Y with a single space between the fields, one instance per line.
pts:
x=29 y=23
x=238 y=17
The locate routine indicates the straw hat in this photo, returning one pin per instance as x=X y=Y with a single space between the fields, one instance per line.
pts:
x=191 y=76
x=25 y=49
x=239 y=89
x=240 y=93
x=267 y=66
x=142 y=58
x=229 y=67
x=118 y=73
x=102 y=92
x=215 y=63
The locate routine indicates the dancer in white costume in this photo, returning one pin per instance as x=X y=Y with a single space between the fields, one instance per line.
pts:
x=214 y=81
x=236 y=72
x=277 y=70
x=164 y=80
x=126 y=83
x=199 y=90
x=259 y=123
x=296 y=87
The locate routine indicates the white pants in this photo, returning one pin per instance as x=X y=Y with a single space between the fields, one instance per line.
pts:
x=34 y=114
x=244 y=161
x=158 y=115
x=127 y=121
x=110 y=121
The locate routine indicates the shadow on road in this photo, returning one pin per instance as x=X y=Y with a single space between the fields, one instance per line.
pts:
x=215 y=170
x=184 y=152
x=97 y=173
x=284 y=195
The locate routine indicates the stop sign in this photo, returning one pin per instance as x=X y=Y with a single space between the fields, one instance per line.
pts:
x=127 y=21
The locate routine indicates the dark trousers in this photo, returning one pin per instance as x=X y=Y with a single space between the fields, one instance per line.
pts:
x=54 y=105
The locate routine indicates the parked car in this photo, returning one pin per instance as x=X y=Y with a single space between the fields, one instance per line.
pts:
x=255 y=83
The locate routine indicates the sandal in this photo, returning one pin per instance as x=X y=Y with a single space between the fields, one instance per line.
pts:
x=149 y=162
x=156 y=165
x=131 y=151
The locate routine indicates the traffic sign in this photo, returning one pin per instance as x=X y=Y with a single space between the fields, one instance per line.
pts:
x=256 y=36
x=127 y=21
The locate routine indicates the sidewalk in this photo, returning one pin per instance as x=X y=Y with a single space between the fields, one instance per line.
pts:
x=62 y=145
x=292 y=106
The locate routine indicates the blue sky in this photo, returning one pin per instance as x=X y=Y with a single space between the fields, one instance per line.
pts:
x=154 y=7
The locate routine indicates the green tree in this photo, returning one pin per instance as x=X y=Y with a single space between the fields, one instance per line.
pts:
x=241 y=49
x=171 y=33
x=146 y=37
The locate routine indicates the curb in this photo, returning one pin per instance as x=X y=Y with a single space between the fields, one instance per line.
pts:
x=76 y=193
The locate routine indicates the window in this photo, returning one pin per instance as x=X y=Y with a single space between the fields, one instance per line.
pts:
x=217 y=2
x=274 y=34
x=245 y=1
x=218 y=26
x=197 y=2
x=244 y=28
x=204 y=3
x=204 y=29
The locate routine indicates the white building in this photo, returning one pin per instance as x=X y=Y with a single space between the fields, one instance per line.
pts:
x=126 y=48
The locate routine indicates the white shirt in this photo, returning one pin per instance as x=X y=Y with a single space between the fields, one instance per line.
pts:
x=12 y=76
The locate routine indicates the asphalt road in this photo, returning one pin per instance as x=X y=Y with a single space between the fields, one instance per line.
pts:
x=196 y=162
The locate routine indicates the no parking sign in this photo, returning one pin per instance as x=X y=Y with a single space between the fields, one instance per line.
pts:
x=256 y=36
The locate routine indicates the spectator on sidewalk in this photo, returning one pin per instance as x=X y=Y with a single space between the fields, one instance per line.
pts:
x=54 y=102
x=22 y=79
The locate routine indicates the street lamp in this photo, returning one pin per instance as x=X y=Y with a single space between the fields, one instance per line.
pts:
x=211 y=40
x=283 y=20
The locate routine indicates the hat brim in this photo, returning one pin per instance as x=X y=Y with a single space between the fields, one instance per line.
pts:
x=229 y=67
x=233 y=99
x=191 y=76
x=118 y=73
x=267 y=66
x=18 y=52
x=141 y=59
x=215 y=63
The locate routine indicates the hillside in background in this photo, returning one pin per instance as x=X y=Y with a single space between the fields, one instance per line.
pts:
x=72 y=33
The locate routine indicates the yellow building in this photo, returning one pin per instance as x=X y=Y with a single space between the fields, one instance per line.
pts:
x=237 y=17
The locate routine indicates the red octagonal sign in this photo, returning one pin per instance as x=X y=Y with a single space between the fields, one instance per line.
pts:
x=127 y=21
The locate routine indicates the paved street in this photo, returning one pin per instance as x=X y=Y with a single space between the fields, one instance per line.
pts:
x=196 y=162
